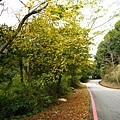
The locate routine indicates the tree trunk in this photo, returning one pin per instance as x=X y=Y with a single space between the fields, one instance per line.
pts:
x=29 y=72
x=58 y=85
x=73 y=80
x=116 y=76
x=21 y=69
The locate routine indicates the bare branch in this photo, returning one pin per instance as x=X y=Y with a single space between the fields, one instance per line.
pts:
x=22 y=2
x=103 y=23
x=37 y=6
x=2 y=5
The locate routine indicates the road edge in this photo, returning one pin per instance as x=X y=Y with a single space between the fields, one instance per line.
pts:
x=94 y=111
x=107 y=86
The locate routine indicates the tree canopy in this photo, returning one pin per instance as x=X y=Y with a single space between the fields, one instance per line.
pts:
x=110 y=45
x=108 y=54
x=46 y=55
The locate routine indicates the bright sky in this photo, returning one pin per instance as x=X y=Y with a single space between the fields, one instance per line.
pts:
x=15 y=6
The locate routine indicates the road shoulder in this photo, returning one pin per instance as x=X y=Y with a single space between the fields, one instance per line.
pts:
x=109 y=85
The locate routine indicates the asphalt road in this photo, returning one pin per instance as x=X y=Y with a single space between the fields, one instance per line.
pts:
x=107 y=101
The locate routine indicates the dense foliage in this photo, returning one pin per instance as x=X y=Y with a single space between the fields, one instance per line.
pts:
x=49 y=56
x=41 y=65
x=108 y=54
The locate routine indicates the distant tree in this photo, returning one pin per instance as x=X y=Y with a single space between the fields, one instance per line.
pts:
x=108 y=53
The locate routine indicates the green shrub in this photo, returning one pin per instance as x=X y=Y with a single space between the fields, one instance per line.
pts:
x=22 y=99
x=15 y=106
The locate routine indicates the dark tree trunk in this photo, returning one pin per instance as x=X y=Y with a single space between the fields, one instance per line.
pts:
x=29 y=72
x=58 y=85
x=21 y=69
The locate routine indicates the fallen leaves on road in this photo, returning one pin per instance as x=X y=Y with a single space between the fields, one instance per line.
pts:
x=76 y=108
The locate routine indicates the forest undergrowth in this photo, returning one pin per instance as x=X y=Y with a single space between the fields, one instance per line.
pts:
x=77 y=107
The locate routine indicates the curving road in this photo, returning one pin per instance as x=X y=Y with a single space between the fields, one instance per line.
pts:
x=107 y=101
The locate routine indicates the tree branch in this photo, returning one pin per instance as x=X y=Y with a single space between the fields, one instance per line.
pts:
x=20 y=26
x=2 y=5
x=22 y=2
x=103 y=23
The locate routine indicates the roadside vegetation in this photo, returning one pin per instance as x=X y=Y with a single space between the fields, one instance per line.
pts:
x=46 y=56
x=77 y=107
x=43 y=62
x=108 y=58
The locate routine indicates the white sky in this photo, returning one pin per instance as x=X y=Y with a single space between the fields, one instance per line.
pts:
x=14 y=6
